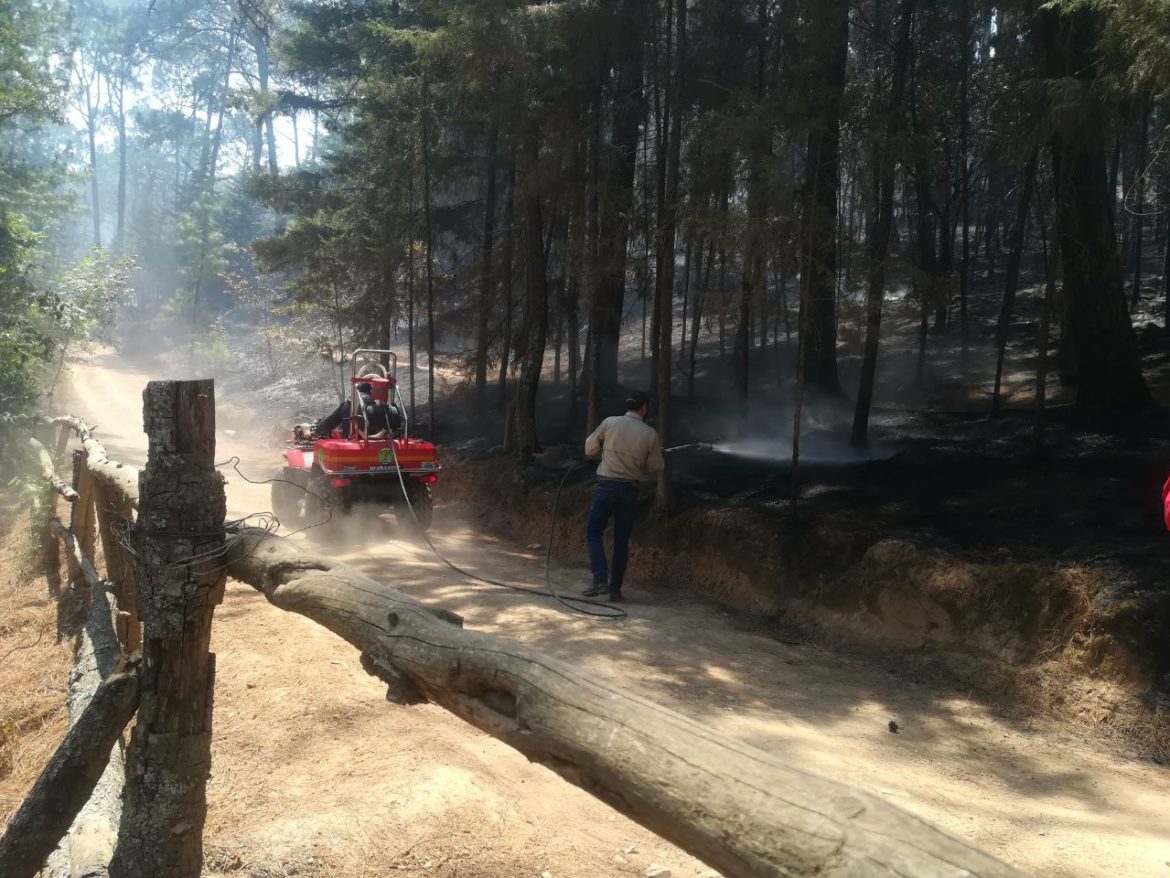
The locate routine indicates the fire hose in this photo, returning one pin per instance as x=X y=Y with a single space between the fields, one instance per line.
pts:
x=585 y=606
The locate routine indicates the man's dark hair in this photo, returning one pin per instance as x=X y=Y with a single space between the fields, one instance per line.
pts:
x=365 y=387
x=635 y=400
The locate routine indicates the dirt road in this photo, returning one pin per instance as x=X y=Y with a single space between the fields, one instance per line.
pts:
x=315 y=774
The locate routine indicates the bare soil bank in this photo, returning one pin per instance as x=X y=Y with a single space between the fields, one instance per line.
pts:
x=1081 y=632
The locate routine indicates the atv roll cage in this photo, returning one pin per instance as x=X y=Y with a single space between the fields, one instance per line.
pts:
x=384 y=384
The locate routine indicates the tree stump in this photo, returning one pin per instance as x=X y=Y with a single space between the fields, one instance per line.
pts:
x=179 y=543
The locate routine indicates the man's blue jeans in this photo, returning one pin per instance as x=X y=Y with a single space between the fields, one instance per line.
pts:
x=618 y=499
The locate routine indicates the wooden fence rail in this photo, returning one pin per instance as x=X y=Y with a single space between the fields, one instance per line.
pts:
x=75 y=804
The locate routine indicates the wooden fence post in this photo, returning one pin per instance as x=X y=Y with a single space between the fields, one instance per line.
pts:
x=81 y=521
x=179 y=545
x=114 y=516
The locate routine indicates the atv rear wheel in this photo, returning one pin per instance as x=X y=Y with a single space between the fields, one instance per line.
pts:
x=421 y=503
x=288 y=490
x=320 y=501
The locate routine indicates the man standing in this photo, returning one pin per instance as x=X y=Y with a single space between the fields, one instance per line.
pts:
x=629 y=448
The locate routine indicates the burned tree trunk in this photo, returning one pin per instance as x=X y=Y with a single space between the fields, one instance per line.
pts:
x=881 y=225
x=178 y=543
x=535 y=309
x=822 y=182
x=487 y=287
x=610 y=289
x=1012 y=276
x=1109 y=369
x=667 y=234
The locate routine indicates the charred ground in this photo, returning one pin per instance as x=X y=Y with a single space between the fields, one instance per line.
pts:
x=1023 y=560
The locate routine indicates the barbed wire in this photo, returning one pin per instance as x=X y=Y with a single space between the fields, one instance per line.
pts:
x=269 y=523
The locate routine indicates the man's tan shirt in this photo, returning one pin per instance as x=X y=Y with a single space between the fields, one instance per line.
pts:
x=628 y=447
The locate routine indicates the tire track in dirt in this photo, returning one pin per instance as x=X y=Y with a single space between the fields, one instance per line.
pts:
x=314 y=773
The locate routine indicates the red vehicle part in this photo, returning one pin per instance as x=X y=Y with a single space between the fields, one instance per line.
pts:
x=324 y=477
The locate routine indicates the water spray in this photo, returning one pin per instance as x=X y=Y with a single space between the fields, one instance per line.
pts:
x=698 y=446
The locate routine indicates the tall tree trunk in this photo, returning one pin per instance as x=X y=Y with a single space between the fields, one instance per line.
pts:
x=576 y=266
x=410 y=292
x=965 y=158
x=428 y=226
x=830 y=28
x=1109 y=368
x=487 y=278
x=663 y=98
x=1166 y=262
x=1042 y=336
x=759 y=160
x=882 y=222
x=697 y=317
x=785 y=312
x=263 y=72
x=609 y=297
x=535 y=305
x=1012 y=274
x=91 y=132
x=389 y=310
x=120 y=122
x=926 y=270
x=1139 y=211
x=591 y=370
x=508 y=258
x=663 y=498
x=1114 y=175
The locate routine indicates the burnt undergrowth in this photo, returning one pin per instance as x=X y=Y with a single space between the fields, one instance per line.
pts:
x=1037 y=571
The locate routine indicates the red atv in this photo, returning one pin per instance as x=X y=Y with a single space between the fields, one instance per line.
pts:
x=357 y=463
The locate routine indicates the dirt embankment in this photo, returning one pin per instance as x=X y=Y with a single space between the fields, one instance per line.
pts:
x=34 y=661
x=1051 y=633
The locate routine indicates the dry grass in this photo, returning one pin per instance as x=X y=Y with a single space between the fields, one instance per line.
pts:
x=34 y=666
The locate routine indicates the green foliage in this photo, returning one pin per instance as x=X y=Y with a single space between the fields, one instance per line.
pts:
x=89 y=295
x=33 y=318
x=23 y=313
x=28 y=38
x=1135 y=40
x=86 y=300
x=202 y=243
x=212 y=350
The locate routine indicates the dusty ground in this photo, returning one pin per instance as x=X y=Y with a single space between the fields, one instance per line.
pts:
x=314 y=773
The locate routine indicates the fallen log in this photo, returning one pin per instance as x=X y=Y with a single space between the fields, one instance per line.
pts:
x=69 y=778
x=741 y=810
x=49 y=471
x=117 y=475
